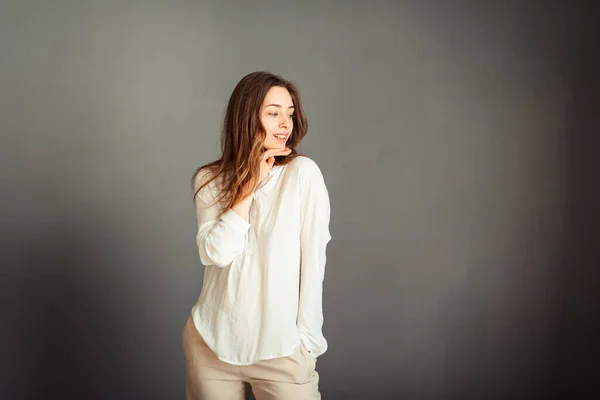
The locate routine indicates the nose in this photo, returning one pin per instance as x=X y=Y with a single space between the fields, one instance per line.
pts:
x=283 y=121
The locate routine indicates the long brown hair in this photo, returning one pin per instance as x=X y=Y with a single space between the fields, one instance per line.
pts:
x=242 y=137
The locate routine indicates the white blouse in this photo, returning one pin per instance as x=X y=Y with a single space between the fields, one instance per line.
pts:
x=263 y=282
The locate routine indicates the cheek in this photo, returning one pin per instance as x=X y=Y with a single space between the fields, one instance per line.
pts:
x=263 y=122
x=270 y=127
x=267 y=129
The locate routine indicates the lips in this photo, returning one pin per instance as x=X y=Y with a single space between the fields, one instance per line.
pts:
x=281 y=136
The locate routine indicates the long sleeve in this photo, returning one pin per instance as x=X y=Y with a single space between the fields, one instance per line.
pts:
x=314 y=236
x=220 y=239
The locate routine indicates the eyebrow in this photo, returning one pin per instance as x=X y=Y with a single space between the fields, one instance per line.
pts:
x=277 y=105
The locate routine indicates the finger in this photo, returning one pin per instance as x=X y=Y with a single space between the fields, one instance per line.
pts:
x=271 y=161
x=276 y=152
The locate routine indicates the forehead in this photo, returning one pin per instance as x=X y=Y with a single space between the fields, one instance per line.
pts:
x=278 y=95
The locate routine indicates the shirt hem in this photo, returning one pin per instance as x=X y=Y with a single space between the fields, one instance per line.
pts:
x=240 y=363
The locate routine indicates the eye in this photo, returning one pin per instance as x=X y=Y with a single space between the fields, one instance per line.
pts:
x=291 y=116
x=274 y=114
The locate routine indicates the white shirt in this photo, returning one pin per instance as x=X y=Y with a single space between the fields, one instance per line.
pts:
x=263 y=282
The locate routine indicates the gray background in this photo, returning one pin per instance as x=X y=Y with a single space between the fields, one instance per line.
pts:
x=455 y=139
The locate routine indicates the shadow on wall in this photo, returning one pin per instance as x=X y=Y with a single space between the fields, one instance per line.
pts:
x=61 y=309
x=576 y=352
x=539 y=341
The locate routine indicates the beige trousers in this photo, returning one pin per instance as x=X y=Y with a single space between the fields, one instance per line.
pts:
x=208 y=378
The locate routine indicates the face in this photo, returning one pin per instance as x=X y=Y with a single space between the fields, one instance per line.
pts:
x=276 y=115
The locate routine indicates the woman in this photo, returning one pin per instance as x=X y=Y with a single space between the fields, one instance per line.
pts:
x=263 y=227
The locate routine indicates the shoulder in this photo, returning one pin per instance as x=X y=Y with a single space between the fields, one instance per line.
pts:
x=204 y=180
x=304 y=165
x=306 y=170
x=203 y=176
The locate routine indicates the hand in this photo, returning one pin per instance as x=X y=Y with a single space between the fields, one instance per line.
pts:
x=269 y=159
x=242 y=208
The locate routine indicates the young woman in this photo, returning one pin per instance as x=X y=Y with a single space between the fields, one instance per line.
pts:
x=263 y=227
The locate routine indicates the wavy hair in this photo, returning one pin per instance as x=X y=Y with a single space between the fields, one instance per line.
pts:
x=242 y=137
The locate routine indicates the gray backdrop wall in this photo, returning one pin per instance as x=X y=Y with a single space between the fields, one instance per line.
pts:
x=455 y=139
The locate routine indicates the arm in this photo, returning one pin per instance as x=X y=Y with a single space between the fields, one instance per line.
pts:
x=220 y=239
x=315 y=212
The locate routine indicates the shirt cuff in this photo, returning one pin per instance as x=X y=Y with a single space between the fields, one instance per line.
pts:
x=238 y=223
